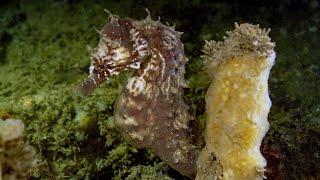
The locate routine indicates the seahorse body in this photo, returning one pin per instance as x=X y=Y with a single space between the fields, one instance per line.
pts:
x=150 y=111
x=237 y=106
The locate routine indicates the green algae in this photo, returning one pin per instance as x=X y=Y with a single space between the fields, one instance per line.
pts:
x=43 y=56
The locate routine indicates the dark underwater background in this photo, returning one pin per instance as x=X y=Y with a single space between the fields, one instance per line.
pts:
x=43 y=56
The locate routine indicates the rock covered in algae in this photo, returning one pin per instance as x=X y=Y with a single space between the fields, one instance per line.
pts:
x=237 y=104
x=17 y=159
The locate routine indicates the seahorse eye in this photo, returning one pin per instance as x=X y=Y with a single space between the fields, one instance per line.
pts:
x=175 y=71
x=112 y=30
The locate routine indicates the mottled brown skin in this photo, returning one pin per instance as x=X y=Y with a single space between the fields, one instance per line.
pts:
x=150 y=111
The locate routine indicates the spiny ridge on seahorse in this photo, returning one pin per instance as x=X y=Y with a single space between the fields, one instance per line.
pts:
x=237 y=104
x=150 y=111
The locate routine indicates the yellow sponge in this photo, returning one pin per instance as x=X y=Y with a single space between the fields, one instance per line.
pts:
x=238 y=104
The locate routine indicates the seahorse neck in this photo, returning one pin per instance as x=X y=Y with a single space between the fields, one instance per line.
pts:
x=150 y=111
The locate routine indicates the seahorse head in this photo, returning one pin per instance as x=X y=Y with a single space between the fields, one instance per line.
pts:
x=120 y=48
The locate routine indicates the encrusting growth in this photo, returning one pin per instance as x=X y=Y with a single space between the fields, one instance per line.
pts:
x=150 y=111
x=237 y=104
x=17 y=159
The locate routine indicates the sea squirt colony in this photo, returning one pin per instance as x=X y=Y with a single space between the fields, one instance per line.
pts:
x=237 y=104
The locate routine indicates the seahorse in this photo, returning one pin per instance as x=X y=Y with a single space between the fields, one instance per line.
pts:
x=150 y=111
x=237 y=104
